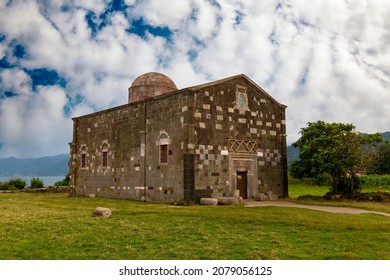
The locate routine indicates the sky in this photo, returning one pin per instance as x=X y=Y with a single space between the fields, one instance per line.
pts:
x=326 y=60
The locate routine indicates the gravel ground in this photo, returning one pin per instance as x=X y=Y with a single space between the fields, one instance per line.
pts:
x=330 y=209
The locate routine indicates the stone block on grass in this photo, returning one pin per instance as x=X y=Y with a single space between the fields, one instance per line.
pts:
x=227 y=200
x=208 y=201
x=272 y=196
x=102 y=212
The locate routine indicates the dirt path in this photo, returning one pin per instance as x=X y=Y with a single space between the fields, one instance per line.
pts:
x=330 y=209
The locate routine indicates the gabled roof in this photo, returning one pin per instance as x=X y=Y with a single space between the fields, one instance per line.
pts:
x=191 y=90
x=240 y=76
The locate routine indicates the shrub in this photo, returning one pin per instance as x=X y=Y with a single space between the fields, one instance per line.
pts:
x=376 y=180
x=373 y=196
x=321 y=180
x=6 y=186
x=17 y=183
x=348 y=186
x=64 y=182
x=36 y=183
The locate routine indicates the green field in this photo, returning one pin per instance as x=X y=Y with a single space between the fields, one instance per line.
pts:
x=53 y=226
x=372 y=183
x=307 y=194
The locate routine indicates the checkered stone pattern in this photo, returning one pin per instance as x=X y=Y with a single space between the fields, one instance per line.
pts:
x=206 y=155
x=268 y=156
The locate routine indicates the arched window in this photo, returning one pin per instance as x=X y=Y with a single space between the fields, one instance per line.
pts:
x=163 y=143
x=163 y=153
x=105 y=155
x=83 y=157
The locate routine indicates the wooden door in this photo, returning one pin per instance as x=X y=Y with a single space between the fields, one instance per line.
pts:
x=242 y=184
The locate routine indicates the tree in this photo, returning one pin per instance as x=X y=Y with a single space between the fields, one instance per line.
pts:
x=332 y=148
x=382 y=161
x=36 y=183
x=17 y=183
x=64 y=182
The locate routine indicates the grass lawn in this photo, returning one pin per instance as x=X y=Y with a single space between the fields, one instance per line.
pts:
x=53 y=226
x=297 y=193
x=296 y=190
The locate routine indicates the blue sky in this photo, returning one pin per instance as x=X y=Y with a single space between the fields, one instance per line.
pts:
x=327 y=60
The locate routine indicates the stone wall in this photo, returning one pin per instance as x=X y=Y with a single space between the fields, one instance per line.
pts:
x=166 y=125
x=50 y=189
x=131 y=136
x=230 y=138
x=117 y=133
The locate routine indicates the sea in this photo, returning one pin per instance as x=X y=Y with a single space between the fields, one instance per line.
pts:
x=47 y=180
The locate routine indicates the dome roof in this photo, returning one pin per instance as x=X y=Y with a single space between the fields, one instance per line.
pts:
x=149 y=85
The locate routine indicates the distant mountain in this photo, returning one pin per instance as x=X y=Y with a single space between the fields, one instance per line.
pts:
x=43 y=166
x=293 y=153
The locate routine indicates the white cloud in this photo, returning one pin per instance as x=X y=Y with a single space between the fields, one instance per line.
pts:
x=3 y=49
x=11 y=122
x=163 y=12
x=205 y=21
x=34 y=124
x=16 y=81
x=24 y=22
x=326 y=60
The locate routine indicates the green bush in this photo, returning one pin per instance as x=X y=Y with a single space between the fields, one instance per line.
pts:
x=17 y=183
x=348 y=186
x=376 y=180
x=64 y=182
x=36 y=183
x=320 y=180
x=6 y=186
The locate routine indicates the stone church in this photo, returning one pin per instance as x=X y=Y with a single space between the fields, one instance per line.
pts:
x=220 y=139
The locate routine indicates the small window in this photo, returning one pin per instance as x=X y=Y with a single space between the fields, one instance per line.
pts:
x=83 y=160
x=105 y=159
x=105 y=155
x=163 y=142
x=163 y=153
x=83 y=163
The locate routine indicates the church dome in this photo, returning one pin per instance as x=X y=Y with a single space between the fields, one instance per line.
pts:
x=149 y=85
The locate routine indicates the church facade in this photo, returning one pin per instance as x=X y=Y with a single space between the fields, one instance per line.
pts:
x=223 y=138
